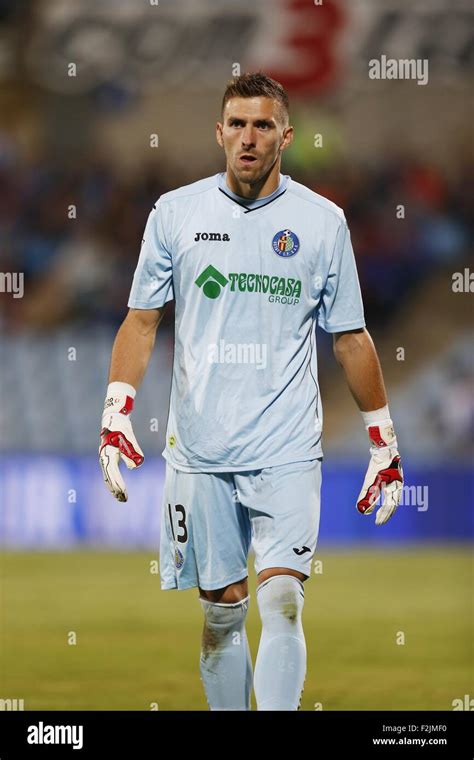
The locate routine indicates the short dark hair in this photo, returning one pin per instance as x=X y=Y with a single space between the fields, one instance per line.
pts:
x=256 y=85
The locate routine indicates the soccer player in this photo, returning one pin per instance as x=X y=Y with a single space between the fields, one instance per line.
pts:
x=252 y=260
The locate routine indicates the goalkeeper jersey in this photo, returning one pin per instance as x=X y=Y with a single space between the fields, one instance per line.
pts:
x=250 y=280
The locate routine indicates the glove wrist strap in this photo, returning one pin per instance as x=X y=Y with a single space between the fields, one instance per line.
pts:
x=119 y=398
x=376 y=416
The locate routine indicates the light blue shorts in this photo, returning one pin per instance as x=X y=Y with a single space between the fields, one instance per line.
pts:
x=210 y=520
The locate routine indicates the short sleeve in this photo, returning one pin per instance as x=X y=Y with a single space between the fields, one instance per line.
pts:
x=152 y=284
x=341 y=307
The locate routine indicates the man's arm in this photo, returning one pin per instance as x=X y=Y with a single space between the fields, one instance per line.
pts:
x=355 y=352
x=133 y=346
x=131 y=353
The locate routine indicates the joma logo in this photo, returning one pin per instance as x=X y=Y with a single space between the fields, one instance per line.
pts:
x=211 y=236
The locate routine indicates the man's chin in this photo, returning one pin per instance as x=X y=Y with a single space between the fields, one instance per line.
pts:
x=247 y=173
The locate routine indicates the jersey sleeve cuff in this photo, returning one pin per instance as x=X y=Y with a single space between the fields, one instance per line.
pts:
x=354 y=325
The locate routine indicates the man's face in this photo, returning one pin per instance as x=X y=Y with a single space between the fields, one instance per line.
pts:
x=253 y=132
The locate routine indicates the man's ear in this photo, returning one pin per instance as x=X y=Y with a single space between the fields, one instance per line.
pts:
x=219 y=139
x=287 y=137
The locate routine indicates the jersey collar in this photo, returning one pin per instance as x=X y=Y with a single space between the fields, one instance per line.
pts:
x=252 y=204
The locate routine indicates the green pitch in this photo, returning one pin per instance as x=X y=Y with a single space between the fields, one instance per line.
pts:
x=137 y=647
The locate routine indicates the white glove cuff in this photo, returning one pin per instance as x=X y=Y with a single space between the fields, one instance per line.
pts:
x=376 y=417
x=379 y=427
x=119 y=398
x=118 y=388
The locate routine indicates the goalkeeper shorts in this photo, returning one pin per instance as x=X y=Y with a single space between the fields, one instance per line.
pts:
x=210 y=521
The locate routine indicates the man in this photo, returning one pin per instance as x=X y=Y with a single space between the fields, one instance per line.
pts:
x=252 y=260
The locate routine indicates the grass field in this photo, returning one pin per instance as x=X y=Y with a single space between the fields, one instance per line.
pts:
x=137 y=645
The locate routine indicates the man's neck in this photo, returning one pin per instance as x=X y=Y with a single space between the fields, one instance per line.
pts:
x=260 y=189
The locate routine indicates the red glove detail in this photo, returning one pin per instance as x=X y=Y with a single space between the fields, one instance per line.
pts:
x=117 y=438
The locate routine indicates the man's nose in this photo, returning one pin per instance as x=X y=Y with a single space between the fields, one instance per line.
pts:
x=248 y=137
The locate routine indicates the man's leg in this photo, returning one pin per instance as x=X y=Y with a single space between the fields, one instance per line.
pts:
x=205 y=543
x=283 y=504
x=280 y=668
x=225 y=663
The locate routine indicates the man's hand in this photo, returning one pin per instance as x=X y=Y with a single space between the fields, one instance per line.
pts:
x=384 y=475
x=117 y=440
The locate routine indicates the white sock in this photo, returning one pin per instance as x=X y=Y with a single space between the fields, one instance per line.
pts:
x=225 y=662
x=280 y=668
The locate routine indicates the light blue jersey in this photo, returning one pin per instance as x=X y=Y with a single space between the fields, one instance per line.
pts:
x=249 y=280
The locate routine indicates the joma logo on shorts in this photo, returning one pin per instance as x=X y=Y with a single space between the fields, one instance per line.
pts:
x=211 y=236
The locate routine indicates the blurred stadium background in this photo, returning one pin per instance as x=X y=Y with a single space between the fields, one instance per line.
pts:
x=78 y=177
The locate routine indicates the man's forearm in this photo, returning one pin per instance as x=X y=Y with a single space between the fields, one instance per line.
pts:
x=131 y=351
x=356 y=354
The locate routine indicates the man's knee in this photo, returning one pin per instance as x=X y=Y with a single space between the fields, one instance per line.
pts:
x=230 y=594
x=269 y=572
x=280 y=600
x=221 y=621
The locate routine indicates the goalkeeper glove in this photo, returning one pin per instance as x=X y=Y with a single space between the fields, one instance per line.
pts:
x=117 y=439
x=384 y=475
